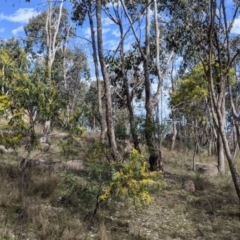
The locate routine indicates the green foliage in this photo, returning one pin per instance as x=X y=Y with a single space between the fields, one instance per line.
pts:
x=193 y=87
x=130 y=179
x=113 y=181
x=77 y=192
x=121 y=126
x=132 y=60
x=22 y=90
x=4 y=103
x=97 y=152
x=10 y=141
x=67 y=147
x=79 y=11
x=26 y=89
x=68 y=179
x=152 y=127
x=193 y=90
x=35 y=30
x=91 y=109
x=72 y=126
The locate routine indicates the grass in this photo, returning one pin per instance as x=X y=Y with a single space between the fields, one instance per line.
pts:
x=47 y=204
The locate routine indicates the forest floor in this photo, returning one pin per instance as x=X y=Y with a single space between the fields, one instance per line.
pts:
x=46 y=204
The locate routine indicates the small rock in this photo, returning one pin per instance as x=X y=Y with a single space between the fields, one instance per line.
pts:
x=31 y=162
x=75 y=165
x=207 y=169
x=189 y=186
x=5 y=150
x=59 y=136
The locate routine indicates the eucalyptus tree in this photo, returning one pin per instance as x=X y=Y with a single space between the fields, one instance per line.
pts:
x=190 y=43
x=134 y=12
x=109 y=118
x=233 y=102
x=127 y=84
x=158 y=61
x=218 y=44
x=47 y=34
x=44 y=30
x=210 y=41
x=26 y=91
x=81 y=10
x=47 y=40
x=191 y=98
x=71 y=73
x=123 y=67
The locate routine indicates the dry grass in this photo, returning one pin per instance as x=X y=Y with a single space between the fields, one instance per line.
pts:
x=44 y=204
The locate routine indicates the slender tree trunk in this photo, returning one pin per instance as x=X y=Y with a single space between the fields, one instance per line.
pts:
x=109 y=116
x=151 y=100
x=210 y=147
x=174 y=135
x=209 y=134
x=221 y=160
x=236 y=137
x=232 y=167
x=220 y=153
x=64 y=71
x=174 y=122
x=51 y=51
x=236 y=149
x=218 y=118
x=52 y=35
x=155 y=158
x=126 y=88
x=99 y=85
x=194 y=156
x=216 y=102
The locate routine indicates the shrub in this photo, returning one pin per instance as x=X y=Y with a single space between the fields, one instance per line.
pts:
x=130 y=179
x=115 y=181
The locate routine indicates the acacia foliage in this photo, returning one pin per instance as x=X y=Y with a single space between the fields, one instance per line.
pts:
x=23 y=91
x=192 y=93
x=130 y=179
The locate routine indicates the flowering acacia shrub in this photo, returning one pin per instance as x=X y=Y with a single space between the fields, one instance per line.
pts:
x=102 y=181
x=131 y=179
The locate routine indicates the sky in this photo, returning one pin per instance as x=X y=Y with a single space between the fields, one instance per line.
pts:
x=15 y=14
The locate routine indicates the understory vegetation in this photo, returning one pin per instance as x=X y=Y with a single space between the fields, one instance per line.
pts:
x=115 y=200
x=120 y=120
